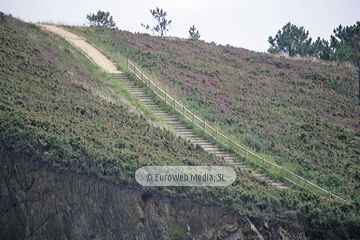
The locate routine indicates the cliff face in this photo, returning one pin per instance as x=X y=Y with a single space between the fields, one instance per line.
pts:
x=40 y=201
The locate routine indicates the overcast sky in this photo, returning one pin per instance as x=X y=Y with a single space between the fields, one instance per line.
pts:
x=246 y=24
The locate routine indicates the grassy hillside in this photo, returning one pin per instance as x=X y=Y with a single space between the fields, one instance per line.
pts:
x=54 y=98
x=300 y=113
x=56 y=105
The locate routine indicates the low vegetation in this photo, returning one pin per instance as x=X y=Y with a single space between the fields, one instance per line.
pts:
x=56 y=105
x=55 y=100
x=299 y=112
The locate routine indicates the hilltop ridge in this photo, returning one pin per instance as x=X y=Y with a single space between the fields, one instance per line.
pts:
x=295 y=111
x=72 y=138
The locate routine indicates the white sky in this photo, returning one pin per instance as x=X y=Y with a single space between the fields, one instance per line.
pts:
x=246 y=23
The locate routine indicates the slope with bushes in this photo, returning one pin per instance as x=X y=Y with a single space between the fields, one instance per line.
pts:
x=55 y=105
x=301 y=113
x=55 y=99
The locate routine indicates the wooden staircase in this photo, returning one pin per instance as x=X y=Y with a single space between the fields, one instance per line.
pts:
x=174 y=122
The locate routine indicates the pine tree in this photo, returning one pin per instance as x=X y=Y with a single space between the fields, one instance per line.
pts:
x=291 y=40
x=162 y=25
x=346 y=45
x=194 y=33
x=101 y=19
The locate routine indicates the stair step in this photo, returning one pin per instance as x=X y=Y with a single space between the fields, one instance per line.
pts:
x=182 y=130
x=208 y=146
x=171 y=118
x=279 y=185
x=134 y=88
x=145 y=99
x=209 y=149
x=212 y=148
x=180 y=127
x=151 y=104
x=195 y=139
x=225 y=154
x=205 y=143
x=230 y=159
x=239 y=166
x=152 y=107
x=264 y=178
x=198 y=140
x=186 y=133
x=160 y=113
x=276 y=184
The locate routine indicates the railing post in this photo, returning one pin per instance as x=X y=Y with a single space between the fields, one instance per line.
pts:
x=194 y=119
x=128 y=64
x=329 y=196
x=184 y=110
x=165 y=97
x=262 y=162
x=306 y=184
x=230 y=143
x=246 y=154
x=216 y=136
x=204 y=126
x=134 y=69
x=174 y=103
x=282 y=172
x=156 y=89
x=142 y=79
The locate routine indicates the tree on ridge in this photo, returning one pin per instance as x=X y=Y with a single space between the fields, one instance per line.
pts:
x=162 y=25
x=101 y=19
x=291 y=40
x=194 y=33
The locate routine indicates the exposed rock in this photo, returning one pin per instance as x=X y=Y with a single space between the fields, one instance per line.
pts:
x=250 y=231
x=266 y=224
x=246 y=230
x=39 y=201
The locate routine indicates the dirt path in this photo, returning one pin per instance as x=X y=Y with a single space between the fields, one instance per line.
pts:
x=101 y=60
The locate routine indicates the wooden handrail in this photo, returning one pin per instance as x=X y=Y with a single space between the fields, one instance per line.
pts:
x=204 y=126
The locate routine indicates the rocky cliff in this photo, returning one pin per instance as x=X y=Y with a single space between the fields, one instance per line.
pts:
x=41 y=201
